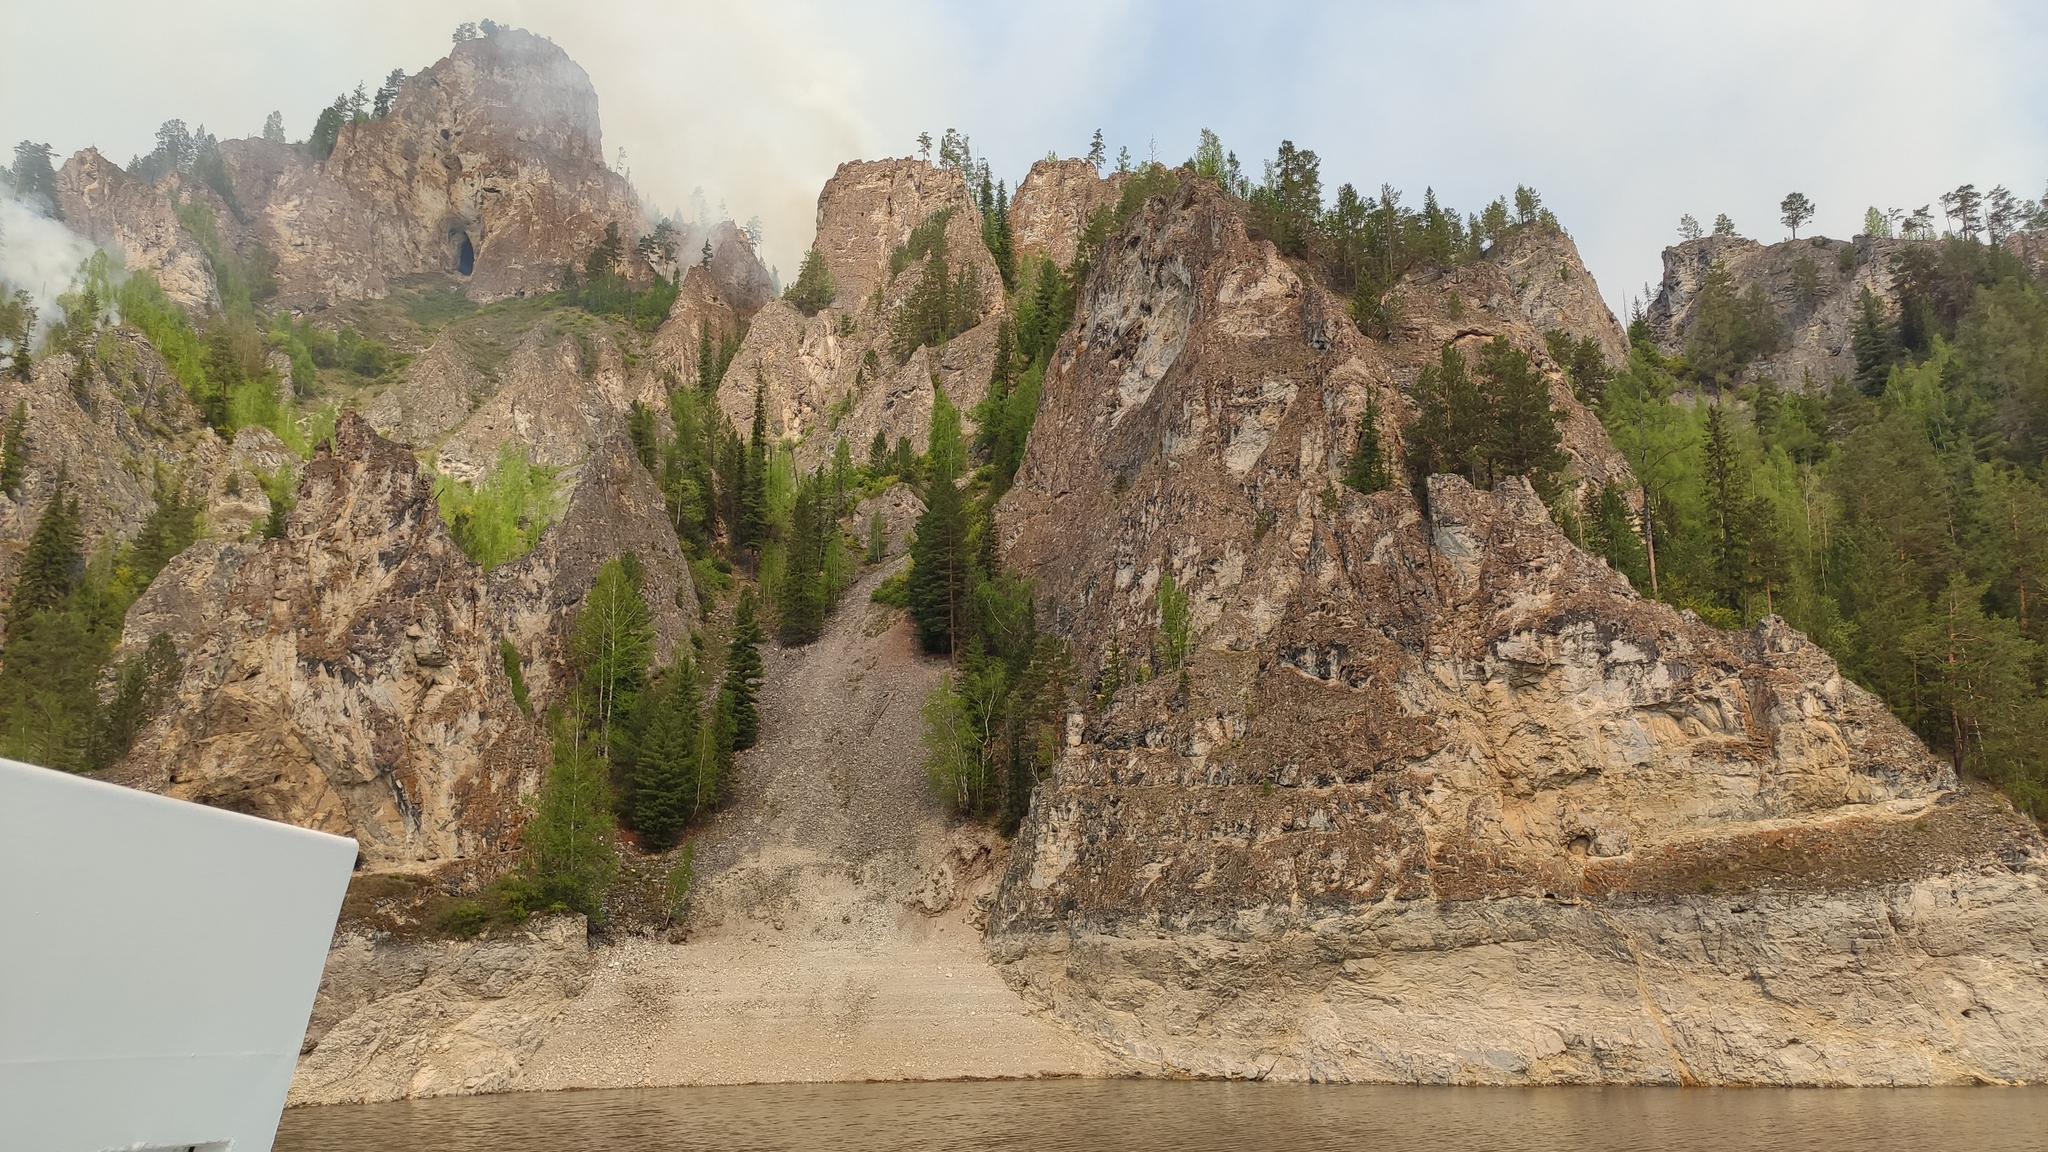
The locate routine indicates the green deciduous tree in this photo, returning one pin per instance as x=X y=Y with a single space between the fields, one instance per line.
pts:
x=612 y=645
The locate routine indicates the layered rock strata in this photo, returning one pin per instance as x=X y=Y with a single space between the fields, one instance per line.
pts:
x=1437 y=797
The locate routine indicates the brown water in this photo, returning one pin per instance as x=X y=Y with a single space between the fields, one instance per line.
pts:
x=1148 y=1115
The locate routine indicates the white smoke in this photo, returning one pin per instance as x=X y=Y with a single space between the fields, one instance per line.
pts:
x=38 y=255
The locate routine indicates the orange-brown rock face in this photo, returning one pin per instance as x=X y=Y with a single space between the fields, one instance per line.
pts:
x=1439 y=797
x=1053 y=203
x=489 y=167
x=124 y=215
x=348 y=676
x=834 y=374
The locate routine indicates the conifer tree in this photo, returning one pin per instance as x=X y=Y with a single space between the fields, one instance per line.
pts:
x=707 y=361
x=1523 y=436
x=568 y=840
x=753 y=526
x=14 y=450
x=1367 y=470
x=1872 y=341
x=1450 y=420
x=743 y=673
x=800 y=600
x=812 y=291
x=939 y=554
x=878 y=452
x=668 y=792
x=51 y=566
x=1725 y=507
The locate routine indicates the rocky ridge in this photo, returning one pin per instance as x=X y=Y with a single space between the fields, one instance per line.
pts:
x=348 y=675
x=1439 y=798
x=834 y=374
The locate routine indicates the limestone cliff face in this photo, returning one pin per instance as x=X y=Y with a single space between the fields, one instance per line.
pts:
x=1440 y=798
x=122 y=214
x=347 y=677
x=490 y=167
x=1817 y=331
x=1053 y=203
x=834 y=374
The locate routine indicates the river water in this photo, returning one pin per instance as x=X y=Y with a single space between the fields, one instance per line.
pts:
x=1148 y=1115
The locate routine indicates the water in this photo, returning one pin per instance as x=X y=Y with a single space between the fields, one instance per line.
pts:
x=1147 y=1115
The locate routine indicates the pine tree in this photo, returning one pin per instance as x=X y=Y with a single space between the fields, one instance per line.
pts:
x=1725 y=509
x=753 y=526
x=53 y=562
x=1872 y=341
x=668 y=760
x=878 y=453
x=939 y=556
x=1450 y=419
x=1367 y=470
x=568 y=840
x=1523 y=436
x=14 y=450
x=800 y=600
x=707 y=361
x=812 y=292
x=640 y=430
x=743 y=673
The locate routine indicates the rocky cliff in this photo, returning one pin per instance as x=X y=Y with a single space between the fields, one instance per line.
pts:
x=1438 y=796
x=348 y=676
x=1817 y=321
x=1053 y=204
x=834 y=374
x=106 y=205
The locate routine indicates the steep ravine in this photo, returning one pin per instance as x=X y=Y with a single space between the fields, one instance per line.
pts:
x=833 y=933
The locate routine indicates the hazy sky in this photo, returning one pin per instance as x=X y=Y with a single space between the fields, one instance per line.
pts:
x=1623 y=115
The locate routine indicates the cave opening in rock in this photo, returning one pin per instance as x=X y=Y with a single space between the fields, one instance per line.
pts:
x=465 y=255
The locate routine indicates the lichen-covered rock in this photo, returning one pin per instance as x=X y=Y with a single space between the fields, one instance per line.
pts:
x=1437 y=796
x=1053 y=203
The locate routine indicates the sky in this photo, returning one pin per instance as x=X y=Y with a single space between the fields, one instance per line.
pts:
x=1623 y=115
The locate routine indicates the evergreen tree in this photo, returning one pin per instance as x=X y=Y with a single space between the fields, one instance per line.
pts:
x=1450 y=418
x=53 y=562
x=273 y=128
x=801 y=599
x=1367 y=470
x=640 y=431
x=569 y=858
x=1610 y=533
x=939 y=553
x=1725 y=508
x=671 y=784
x=14 y=450
x=1871 y=340
x=812 y=292
x=1523 y=436
x=707 y=361
x=878 y=453
x=753 y=510
x=327 y=129
x=744 y=672
x=1795 y=209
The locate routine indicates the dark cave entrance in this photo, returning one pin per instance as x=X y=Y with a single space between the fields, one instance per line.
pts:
x=465 y=255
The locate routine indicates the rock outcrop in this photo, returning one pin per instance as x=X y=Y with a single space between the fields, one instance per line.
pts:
x=110 y=424
x=1053 y=204
x=490 y=167
x=348 y=676
x=106 y=205
x=1817 y=328
x=1437 y=796
x=834 y=374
